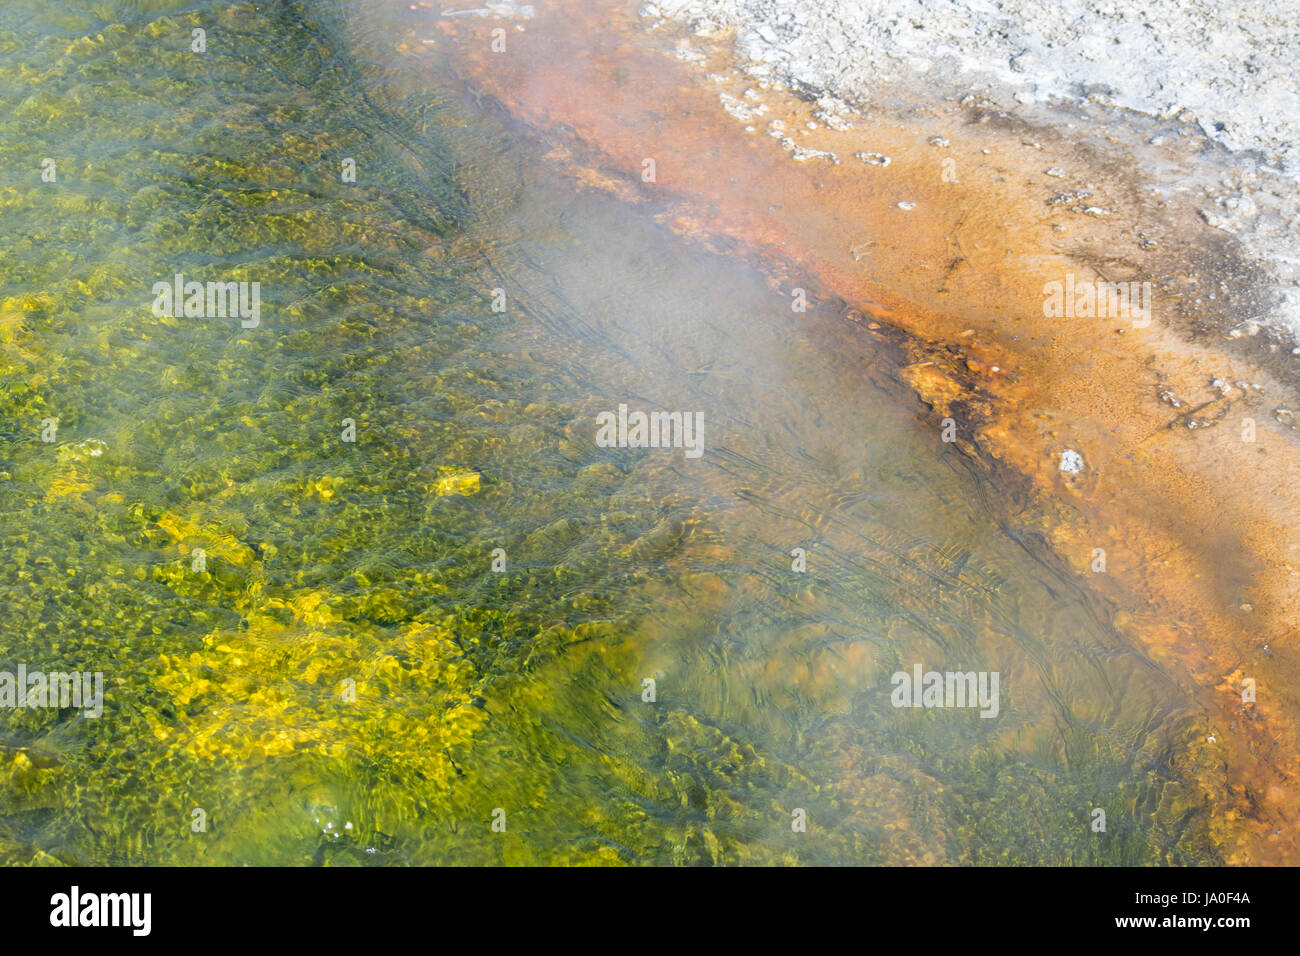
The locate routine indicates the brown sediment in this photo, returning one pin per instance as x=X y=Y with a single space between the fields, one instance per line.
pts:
x=1194 y=520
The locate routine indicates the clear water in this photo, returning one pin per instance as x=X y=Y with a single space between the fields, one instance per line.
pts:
x=333 y=565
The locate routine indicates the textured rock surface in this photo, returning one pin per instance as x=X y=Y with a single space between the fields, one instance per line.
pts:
x=1229 y=70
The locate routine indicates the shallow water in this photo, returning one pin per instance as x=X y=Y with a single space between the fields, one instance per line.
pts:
x=371 y=562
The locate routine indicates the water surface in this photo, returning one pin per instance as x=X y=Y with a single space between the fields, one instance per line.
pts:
x=333 y=565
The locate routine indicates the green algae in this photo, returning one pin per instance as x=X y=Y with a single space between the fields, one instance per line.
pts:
x=344 y=679
x=325 y=561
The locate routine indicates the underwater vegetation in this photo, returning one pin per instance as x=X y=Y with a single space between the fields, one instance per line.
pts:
x=303 y=635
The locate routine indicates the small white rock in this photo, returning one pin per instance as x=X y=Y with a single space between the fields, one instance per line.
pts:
x=1071 y=462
